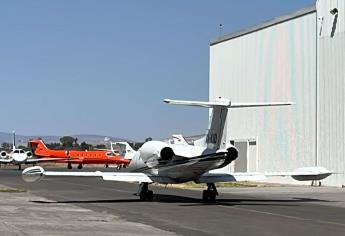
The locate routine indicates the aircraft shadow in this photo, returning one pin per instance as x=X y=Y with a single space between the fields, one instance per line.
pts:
x=188 y=201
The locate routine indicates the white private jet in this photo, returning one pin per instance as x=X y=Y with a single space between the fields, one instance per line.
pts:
x=160 y=162
x=18 y=156
x=124 y=149
x=120 y=148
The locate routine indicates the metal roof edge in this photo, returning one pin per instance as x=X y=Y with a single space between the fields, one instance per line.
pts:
x=265 y=24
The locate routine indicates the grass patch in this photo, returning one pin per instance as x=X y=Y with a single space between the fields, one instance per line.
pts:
x=12 y=190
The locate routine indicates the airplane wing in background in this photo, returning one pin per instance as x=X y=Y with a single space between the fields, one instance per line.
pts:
x=35 y=160
x=5 y=161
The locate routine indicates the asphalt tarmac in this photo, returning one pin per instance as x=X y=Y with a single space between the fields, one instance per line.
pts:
x=269 y=211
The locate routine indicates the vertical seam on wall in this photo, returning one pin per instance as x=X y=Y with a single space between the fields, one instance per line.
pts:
x=316 y=87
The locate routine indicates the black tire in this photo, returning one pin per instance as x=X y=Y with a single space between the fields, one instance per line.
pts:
x=212 y=196
x=69 y=166
x=142 y=197
x=80 y=166
x=205 y=195
x=149 y=195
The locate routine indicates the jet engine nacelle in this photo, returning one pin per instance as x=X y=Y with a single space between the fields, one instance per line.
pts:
x=231 y=156
x=166 y=153
x=156 y=150
x=3 y=154
x=29 y=154
x=232 y=153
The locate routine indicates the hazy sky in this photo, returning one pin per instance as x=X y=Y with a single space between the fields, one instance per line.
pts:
x=104 y=67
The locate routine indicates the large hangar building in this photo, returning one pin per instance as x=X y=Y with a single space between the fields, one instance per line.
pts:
x=299 y=57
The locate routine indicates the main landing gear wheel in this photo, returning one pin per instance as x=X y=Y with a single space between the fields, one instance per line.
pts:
x=211 y=192
x=69 y=166
x=144 y=193
x=80 y=166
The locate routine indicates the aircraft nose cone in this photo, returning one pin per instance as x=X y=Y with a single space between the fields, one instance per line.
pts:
x=19 y=157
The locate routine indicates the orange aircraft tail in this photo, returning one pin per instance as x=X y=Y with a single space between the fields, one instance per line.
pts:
x=37 y=145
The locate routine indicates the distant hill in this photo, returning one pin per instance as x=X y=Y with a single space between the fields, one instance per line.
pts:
x=88 y=138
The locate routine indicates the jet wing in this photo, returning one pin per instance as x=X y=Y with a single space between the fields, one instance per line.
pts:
x=34 y=160
x=301 y=174
x=36 y=173
x=5 y=160
x=305 y=173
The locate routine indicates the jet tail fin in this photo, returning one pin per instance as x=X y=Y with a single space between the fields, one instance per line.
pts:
x=179 y=139
x=37 y=145
x=14 y=140
x=214 y=136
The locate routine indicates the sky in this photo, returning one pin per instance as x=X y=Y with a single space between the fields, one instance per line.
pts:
x=104 y=67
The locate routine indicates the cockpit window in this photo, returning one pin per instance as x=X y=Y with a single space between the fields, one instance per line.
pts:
x=21 y=151
x=16 y=151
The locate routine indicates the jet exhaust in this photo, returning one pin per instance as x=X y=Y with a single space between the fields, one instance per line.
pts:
x=166 y=153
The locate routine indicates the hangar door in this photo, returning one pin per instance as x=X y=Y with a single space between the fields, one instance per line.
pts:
x=247 y=158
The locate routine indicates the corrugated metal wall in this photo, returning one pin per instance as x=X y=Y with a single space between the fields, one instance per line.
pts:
x=331 y=92
x=277 y=63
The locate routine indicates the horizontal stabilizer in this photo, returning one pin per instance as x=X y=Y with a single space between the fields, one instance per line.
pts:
x=222 y=102
x=260 y=104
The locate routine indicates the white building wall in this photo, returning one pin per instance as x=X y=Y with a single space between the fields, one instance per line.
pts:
x=277 y=63
x=331 y=91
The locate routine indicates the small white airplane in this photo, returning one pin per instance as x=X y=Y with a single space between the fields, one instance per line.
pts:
x=165 y=163
x=18 y=156
x=120 y=148
x=124 y=149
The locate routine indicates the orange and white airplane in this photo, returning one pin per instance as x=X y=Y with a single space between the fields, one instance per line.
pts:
x=70 y=157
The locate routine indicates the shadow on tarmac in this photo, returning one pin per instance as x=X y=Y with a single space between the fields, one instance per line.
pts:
x=188 y=201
